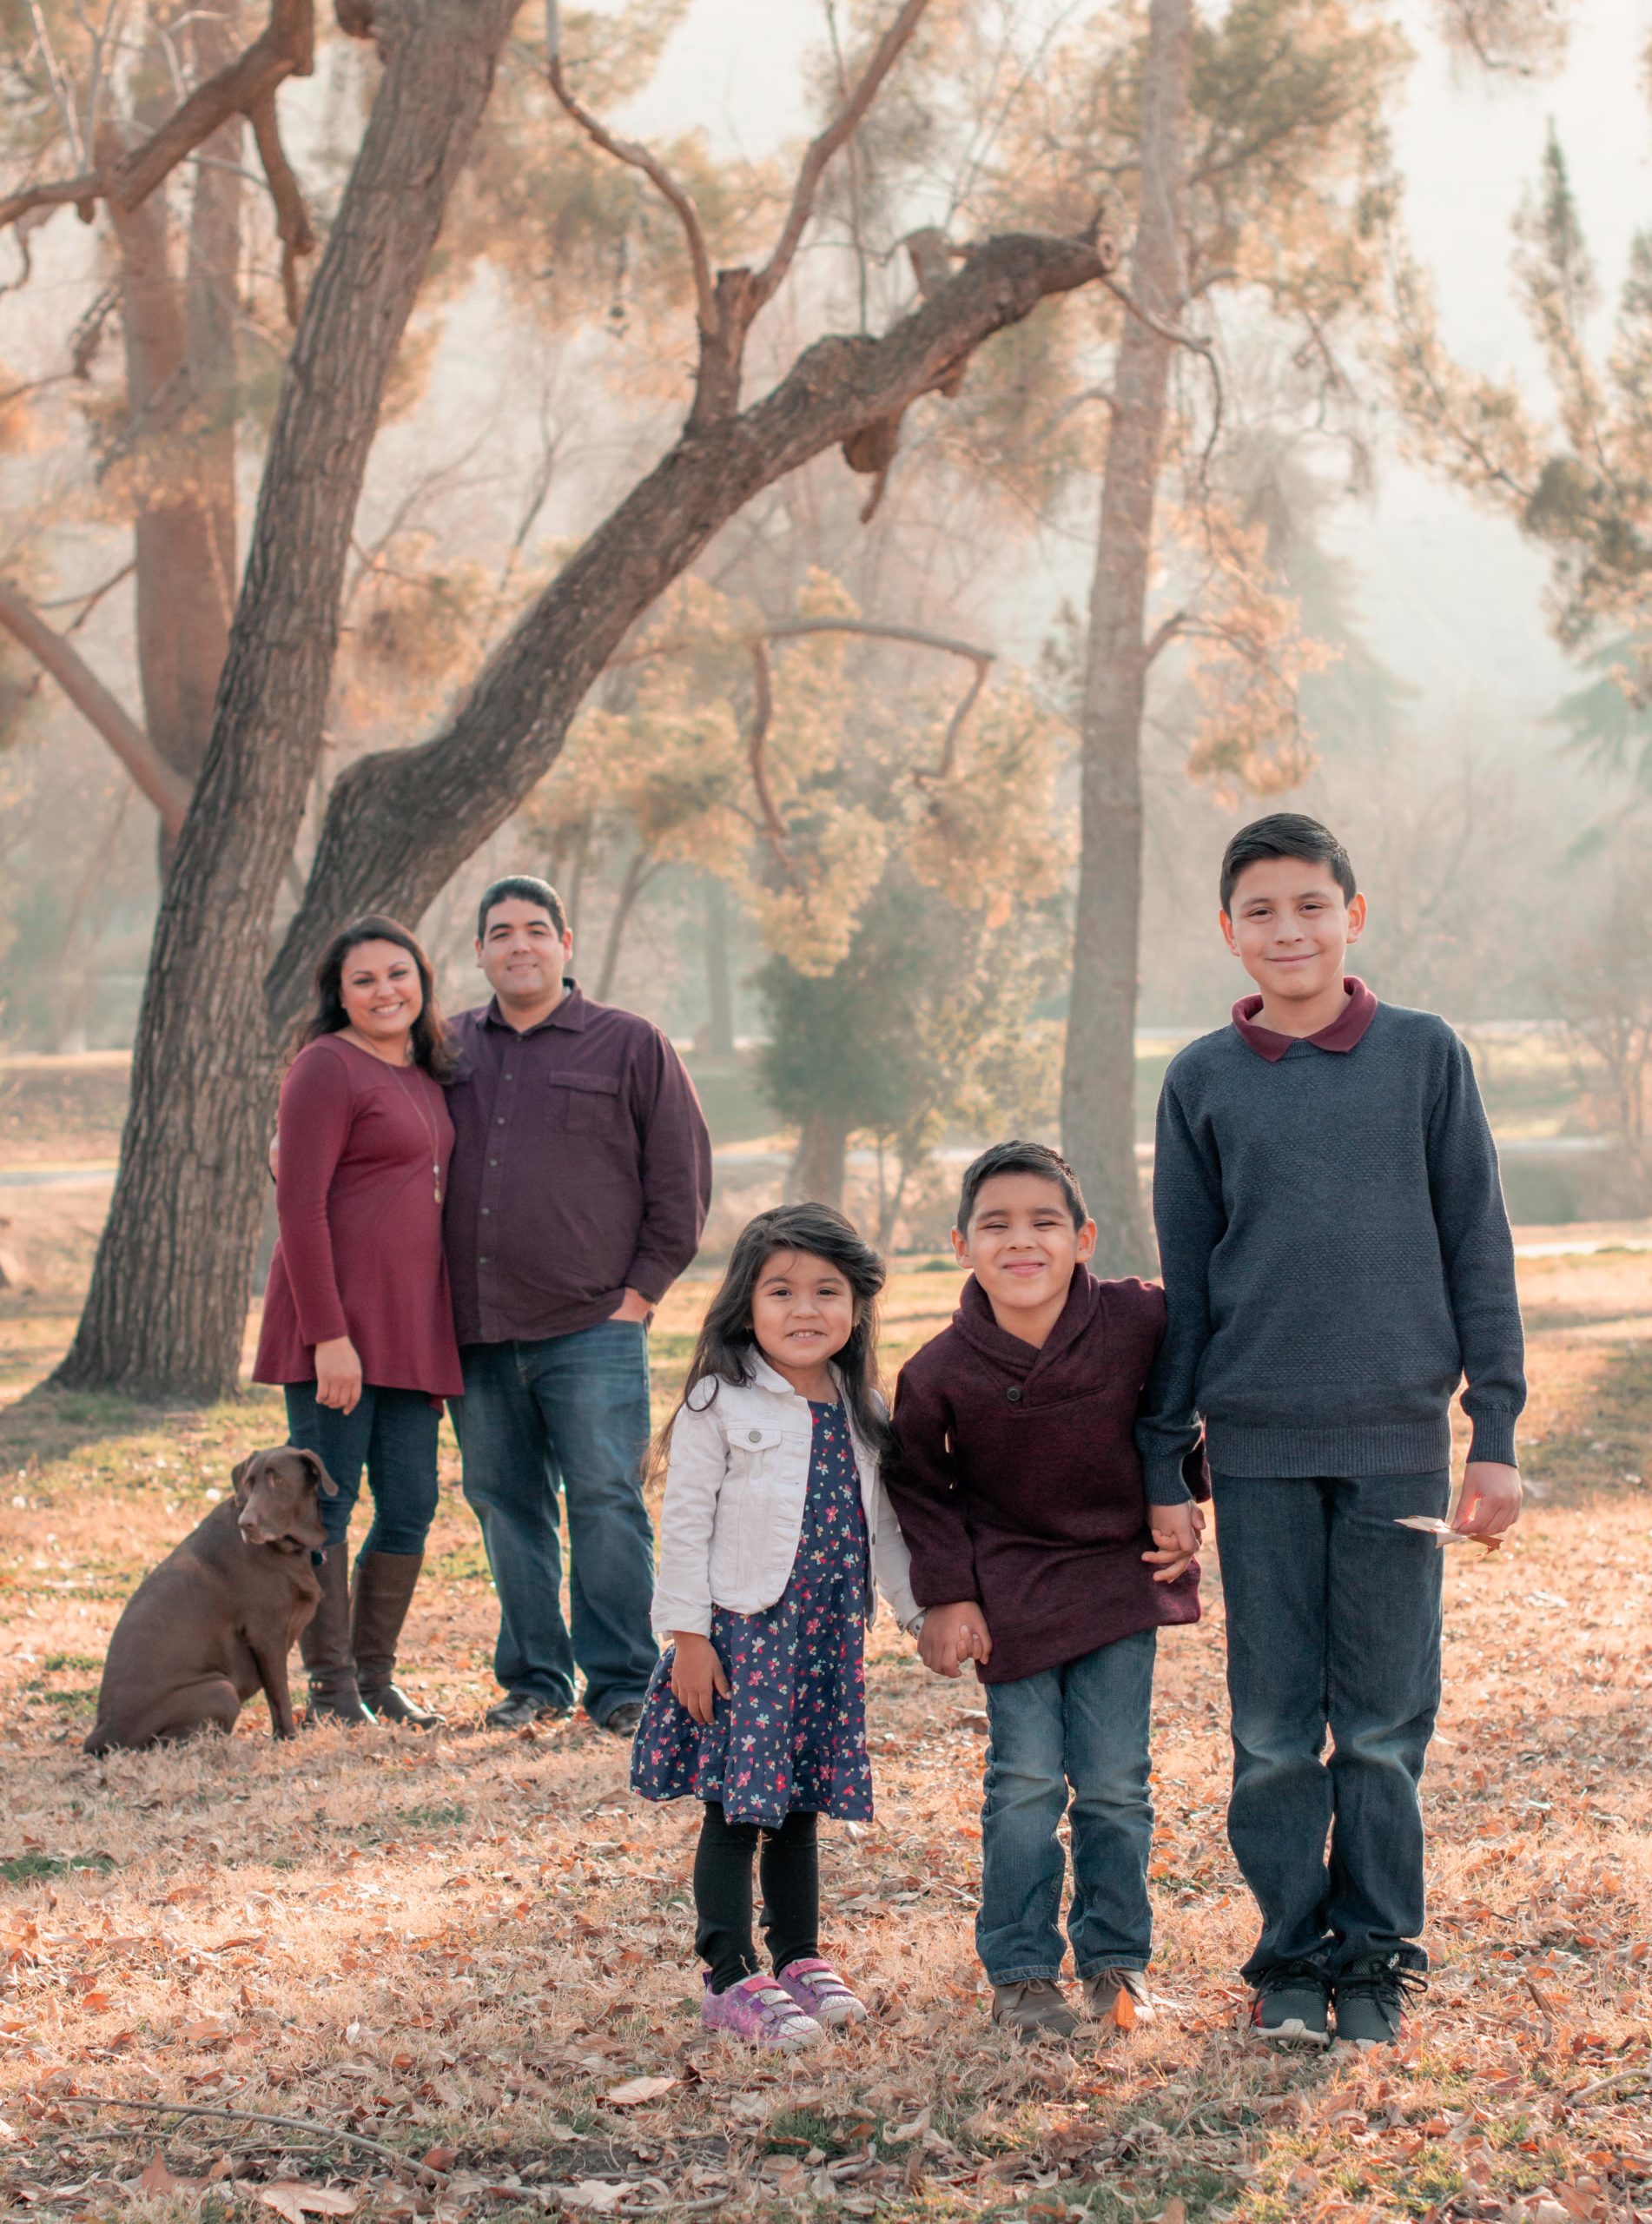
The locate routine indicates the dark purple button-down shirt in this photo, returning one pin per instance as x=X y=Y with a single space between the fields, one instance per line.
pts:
x=581 y=1168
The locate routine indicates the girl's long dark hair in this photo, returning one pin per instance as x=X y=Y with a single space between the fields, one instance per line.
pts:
x=431 y=1047
x=727 y=1350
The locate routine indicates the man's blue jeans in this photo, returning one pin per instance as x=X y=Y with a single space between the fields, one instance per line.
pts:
x=1333 y=1626
x=568 y=1413
x=1082 y=1730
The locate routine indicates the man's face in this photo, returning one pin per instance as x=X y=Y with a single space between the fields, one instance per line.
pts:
x=1290 y=927
x=521 y=953
x=1022 y=1242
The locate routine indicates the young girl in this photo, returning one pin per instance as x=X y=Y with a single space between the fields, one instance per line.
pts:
x=775 y=1521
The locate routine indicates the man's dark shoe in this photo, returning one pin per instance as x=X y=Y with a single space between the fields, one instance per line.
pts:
x=517 y=1709
x=623 y=1719
x=1034 y=2010
x=1370 y=1999
x=1291 y=2006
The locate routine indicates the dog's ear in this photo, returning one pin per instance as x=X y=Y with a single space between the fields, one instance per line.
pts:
x=240 y=1477
x=324 y=1482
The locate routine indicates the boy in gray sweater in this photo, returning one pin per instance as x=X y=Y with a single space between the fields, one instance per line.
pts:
x=1337 y=1258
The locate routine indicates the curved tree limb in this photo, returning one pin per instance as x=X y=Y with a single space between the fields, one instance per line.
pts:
x=292 y=218
x=154 y=777
x=398 y=823
x=285 y=48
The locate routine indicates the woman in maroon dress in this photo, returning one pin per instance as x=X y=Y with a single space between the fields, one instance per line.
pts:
x=358 y=1323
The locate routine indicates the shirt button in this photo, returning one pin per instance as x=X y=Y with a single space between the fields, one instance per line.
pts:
x=757 y=1436
x=510 y=1076
x=1014 y=1394
x=492 y=1161
x=482 y=1261
x=500 y=1123
x=484 y=1214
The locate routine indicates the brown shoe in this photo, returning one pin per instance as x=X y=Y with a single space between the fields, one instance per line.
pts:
x=1034 y=2010
x=324 y=1647
x=1102 y=1995
x=384 y=1589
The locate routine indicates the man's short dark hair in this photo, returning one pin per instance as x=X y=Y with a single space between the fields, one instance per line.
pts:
x=521 y=888
x=1020 y=1158
x=1286 y=834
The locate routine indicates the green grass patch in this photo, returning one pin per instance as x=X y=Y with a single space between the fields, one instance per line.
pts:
x=23 y=1867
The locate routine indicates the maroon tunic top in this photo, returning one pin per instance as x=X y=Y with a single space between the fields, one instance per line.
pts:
x=582 y=1167
x=1017 y=1482
x=360 y=1249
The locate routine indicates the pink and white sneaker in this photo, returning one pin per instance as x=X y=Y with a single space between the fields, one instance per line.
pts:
x=820 y=1992
x=761 y=2012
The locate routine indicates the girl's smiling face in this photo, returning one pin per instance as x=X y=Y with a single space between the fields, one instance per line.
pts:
x=803 y=1313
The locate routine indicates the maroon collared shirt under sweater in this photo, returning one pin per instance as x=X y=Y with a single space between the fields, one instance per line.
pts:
x=582 y=1167
x=1016 y=1480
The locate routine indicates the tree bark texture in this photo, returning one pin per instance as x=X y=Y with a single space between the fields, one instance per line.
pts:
x=169 y=1293
x=1098 y=1080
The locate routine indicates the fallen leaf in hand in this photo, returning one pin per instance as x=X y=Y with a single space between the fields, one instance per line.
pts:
x=1442 y=1531
x=637 y=2090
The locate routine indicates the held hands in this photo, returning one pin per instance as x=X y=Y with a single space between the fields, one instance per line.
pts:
x=1176 y=1534
x=697 y=1680
x=338 y=1374
x=1491 y=1499
x=952 y=1635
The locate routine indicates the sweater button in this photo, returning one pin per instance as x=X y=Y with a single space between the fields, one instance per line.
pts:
x=1014 y=1394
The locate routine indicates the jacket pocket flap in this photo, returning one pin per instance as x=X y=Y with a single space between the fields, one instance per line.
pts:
x=747 y=1436
x=599 y=1084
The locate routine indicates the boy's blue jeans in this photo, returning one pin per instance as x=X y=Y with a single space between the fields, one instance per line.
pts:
x=566 y=1413
x=1078 y=1732
x=1333 y=1626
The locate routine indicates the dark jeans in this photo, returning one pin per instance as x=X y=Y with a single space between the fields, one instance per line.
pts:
x=1083 y=1727
x=391 y=1433
x=567 y=1414
x=788 y=1869
x=1333 y=1625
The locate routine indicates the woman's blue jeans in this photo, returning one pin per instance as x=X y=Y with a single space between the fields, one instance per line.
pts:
x=1072 y=1741
x=391 y=1434
x=1333 y=1630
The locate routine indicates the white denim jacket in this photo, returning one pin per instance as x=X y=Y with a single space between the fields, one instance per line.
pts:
x=735 y=1480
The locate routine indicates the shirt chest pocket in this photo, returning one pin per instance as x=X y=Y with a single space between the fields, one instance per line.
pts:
x=583 y=1103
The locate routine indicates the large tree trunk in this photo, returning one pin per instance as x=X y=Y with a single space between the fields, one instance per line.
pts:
x=817 y=1172
x=169 y=1289
x=1098 y=1079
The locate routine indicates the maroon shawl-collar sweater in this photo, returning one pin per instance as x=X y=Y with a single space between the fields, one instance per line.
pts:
x=1015 y=1476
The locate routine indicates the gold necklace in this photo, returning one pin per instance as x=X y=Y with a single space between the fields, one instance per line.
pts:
x=429 y=1127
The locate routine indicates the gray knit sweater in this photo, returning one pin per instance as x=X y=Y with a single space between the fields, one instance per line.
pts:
x=1336 y=1256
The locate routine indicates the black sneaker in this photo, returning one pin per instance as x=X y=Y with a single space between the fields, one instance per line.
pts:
x=1370 y=1999
x=1291 y=2006
x=517 y=1709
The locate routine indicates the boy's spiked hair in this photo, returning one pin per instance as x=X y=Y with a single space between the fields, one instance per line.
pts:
x=1286 y=834
x=1017 y=1157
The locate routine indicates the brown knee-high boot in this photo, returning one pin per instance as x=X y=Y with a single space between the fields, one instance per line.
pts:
x=383 y=1590
x=324 y=1646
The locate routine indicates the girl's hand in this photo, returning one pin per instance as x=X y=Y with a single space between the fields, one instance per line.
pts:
x=1176 y=1533
x=338 y=1374
x=697 y=1680
x=952 y=1635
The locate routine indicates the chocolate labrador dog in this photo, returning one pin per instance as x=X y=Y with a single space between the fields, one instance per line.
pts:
x=215 y=1621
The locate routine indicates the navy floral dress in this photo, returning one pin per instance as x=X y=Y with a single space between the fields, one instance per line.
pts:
x=793 y=1733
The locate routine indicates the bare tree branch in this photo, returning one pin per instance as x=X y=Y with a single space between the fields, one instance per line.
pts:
x=285 y=48
x=763 y=711
x=842 y=128
x=636 y=156
x=292 y=218
x=165 y=789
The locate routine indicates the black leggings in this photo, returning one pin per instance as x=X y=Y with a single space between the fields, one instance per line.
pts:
x=789 y=1868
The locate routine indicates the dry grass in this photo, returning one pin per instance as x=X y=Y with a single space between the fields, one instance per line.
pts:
x=467 y=1943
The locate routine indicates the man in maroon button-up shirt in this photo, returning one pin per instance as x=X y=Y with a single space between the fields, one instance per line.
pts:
x=580 y=1178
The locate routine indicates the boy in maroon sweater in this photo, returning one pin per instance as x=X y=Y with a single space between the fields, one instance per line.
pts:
x=1034 y=1554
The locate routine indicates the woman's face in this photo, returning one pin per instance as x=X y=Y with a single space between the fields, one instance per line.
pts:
x=379 y=990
